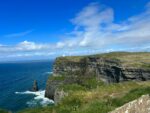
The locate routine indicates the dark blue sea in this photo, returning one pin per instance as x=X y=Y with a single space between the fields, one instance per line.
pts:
x=16 y=81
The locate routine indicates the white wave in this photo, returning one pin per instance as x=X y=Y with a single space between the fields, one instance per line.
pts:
x=49 y=72
x=39 y=98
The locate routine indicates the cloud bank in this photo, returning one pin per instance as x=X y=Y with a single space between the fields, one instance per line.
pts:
x=95 y=31
x=95 y=28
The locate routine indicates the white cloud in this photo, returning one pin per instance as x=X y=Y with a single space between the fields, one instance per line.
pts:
x=25 y=45
x=95 y=28
x=60 y=45
x=95 y=31
x=93 y=17
x=31 y=54
x=19 y=34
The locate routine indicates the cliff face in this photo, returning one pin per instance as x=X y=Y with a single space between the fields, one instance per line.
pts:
x=116 y=67
x=108 y=70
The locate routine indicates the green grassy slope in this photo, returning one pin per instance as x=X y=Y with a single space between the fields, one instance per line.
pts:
x=100 y=99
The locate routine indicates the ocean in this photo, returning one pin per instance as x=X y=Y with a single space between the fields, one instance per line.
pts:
x=16 y=81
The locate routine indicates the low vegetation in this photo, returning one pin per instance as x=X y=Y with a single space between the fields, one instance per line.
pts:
x=59 y=78
x=96 y=97
x=127 y=59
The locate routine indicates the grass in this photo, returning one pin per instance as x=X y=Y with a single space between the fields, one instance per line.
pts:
x=131 y=95
x=72 y=87
x=104 y=106
x=127 y=59
x=55 y=78
x=59 y=78
x=100 y=99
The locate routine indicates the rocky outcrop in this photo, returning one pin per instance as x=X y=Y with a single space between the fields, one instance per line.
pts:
x=141 y=105
x=51 y=87
x=107 y=69
x=35 y=86
x=59 y=95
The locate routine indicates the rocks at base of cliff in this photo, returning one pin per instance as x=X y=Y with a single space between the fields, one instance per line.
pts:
x=35 y=86
x=51 y=86
x=59 y=95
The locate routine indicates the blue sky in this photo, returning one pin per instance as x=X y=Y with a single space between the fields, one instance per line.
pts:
x=41 y=29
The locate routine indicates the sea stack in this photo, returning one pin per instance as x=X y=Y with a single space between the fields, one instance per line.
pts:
x=35 y=86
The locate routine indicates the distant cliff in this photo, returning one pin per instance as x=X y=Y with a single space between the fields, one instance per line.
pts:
x=109 y=67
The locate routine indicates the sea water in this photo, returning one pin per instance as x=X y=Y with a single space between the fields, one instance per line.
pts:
x=16 y=81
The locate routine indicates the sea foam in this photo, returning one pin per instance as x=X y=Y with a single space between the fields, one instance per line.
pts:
x=39 y=98
x=48 y=72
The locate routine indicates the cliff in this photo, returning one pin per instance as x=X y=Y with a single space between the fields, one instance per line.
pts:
x=110 y=67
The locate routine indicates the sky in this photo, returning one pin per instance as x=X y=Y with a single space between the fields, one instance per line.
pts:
x=45 y=29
